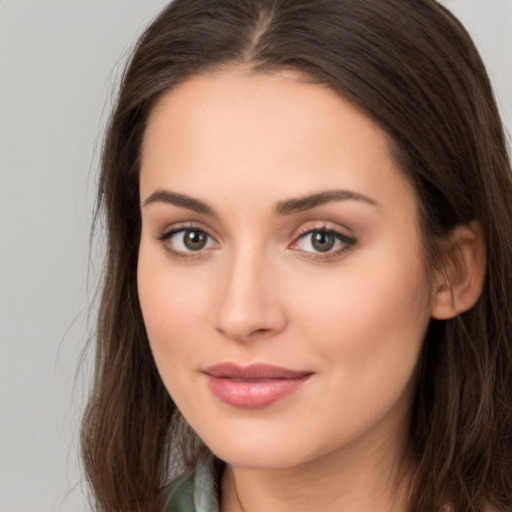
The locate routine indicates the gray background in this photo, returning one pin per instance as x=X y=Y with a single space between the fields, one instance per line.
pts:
x=59 y=60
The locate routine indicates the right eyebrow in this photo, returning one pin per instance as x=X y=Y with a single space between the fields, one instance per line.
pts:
x=180 y=200
x=311 y=201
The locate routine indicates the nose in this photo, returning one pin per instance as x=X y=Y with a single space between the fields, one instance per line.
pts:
x=249 y=306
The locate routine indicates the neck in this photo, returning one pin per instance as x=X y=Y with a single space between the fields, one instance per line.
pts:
x=344 y=480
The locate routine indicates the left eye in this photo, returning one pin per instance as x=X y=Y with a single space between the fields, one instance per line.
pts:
x=323 y=241
x=189 y=240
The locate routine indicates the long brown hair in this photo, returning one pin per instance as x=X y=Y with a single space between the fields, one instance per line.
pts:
x=413 y=69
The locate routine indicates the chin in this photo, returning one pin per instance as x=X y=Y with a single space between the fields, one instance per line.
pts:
x=258 y=458
x=265 y=452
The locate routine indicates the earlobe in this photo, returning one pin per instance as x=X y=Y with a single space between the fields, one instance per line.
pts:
x=460 y=280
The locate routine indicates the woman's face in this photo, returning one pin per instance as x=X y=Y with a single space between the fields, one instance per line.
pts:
x=280 y=270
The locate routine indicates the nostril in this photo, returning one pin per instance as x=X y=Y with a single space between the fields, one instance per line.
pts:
x=259 y=331
x=242 y=334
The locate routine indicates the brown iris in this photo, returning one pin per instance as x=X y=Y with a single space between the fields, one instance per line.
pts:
x=194 y=239
x=323 y=241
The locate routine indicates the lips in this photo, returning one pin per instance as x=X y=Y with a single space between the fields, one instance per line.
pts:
x=253 y=386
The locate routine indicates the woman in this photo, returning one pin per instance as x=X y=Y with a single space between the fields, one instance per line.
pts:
x=306 y=300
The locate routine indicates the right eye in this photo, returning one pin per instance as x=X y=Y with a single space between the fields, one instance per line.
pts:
x=185 y=241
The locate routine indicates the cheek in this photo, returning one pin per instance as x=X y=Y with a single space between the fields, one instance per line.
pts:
x=173 y=307
x=366 y=332
x=390 y=295
x=386 y=307
x=369 y=321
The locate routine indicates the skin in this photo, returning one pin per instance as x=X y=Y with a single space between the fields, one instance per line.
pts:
x=260 y=291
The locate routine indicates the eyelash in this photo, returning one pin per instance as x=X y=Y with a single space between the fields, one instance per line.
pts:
x=182 y=228
x=346 y=241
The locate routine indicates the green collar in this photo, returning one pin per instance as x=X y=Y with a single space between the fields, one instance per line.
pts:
x=195 y=491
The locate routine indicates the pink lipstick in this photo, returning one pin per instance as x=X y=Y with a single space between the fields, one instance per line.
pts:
x=254 y=386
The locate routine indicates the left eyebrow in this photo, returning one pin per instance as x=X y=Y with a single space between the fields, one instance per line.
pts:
x=180 y=200
x=308 y=202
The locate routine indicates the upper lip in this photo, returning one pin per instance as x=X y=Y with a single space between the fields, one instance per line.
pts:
x=253 y=371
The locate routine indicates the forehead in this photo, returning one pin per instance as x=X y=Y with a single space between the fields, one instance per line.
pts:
x=213 y=104
x=264 y=133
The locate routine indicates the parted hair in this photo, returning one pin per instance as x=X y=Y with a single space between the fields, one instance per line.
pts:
x=411 y=67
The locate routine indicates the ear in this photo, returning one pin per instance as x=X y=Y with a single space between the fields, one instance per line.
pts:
x=460 y=280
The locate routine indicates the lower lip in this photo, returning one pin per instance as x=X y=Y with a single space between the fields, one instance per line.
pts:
x=253 y=394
